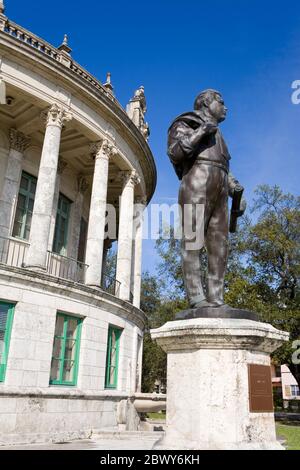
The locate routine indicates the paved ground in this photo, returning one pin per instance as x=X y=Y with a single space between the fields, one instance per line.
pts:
x=112 y=443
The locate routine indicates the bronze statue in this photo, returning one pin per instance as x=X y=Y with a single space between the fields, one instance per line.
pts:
x=200 y=157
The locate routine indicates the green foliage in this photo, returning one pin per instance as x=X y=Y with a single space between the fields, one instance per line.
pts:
x=169 y=268
x=158 y=311
x=111 y=263
x=154 y=364
x=269 y=284
x=150 y=295
x=273 y=242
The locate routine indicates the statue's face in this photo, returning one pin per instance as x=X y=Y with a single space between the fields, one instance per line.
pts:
x=217 y=108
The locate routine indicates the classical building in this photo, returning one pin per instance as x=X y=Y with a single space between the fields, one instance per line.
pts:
x=70 y=335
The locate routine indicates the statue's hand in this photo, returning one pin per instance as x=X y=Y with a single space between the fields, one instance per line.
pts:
x=209 y=128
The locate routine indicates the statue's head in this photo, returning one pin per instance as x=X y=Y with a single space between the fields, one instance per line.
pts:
x=211 y=103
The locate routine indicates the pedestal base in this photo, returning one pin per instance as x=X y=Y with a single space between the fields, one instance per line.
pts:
x=208 y=384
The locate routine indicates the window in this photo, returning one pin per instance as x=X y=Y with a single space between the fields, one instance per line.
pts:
x=6 y=318
x=112 y=358
x=61 y=225
x=295 y=391
x=24 y=209
x=287 y=390
x=65 y=356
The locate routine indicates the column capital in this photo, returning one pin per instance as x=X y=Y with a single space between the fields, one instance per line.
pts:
x=3 y=18
x=129 y=177
x=140 y=200
x=18 y=141
x=82 y=184
x=61 y=166
x=56 y=115
x=102 y=149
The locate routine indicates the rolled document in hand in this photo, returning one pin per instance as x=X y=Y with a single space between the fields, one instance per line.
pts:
x=235 y=207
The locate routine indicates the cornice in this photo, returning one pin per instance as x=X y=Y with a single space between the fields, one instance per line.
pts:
x=74 y=291
x=116 y=113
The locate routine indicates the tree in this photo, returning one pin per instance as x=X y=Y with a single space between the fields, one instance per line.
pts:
x=158 y=311
x=153 y=356
x=169 y=268
x=268 y=280
x=111 y=263
x=150 y=296
x=273 y=250
x=273 y=242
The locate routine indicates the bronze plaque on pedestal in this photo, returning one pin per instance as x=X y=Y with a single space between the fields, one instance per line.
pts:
x=260 y=388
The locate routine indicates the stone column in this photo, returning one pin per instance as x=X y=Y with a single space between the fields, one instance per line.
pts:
x=124 y=262
x=9 y=196
x=82 y=186
x=139 y=367
x=96 y=229
x=44 y=197
x=62 y=164
x=136 y=275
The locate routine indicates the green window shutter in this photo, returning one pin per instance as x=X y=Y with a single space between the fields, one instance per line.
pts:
x=66 y=345
x=112 y=357
x=6 y=319
x=23 y=216
x=61 y=225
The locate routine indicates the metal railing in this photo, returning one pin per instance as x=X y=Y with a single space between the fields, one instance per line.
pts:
x=66 y=268
x=111 y=285
x=12 y=251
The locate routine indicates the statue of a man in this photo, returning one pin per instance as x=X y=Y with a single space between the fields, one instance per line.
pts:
x=201 y=160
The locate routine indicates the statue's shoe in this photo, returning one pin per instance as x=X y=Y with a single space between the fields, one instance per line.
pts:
x=207 y=309
x=219 y=304
x=203 y=304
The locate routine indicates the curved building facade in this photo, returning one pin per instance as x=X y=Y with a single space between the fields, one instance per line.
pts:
x=76 y=172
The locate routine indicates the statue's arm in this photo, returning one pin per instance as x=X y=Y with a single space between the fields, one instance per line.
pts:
x=183 y=140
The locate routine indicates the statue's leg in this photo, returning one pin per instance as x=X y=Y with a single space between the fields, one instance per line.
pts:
x=194 y=202
x=217 y=248
x=192 y=274
x=190 y=252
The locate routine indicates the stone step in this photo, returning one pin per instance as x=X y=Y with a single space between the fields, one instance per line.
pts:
x=115 y=434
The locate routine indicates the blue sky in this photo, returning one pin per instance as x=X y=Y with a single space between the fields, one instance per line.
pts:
x=249 y=50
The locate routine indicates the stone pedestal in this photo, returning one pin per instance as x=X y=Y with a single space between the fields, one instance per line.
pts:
x=208 y=397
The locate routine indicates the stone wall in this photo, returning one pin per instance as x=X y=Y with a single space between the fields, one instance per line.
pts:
x=30 y=408
x=36 y=418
